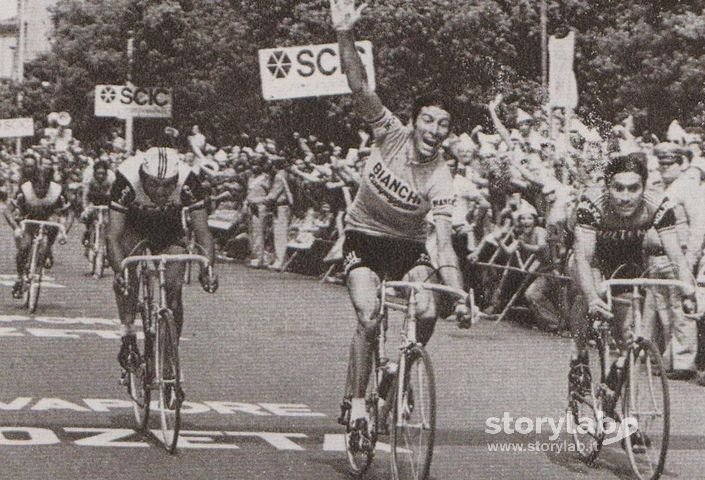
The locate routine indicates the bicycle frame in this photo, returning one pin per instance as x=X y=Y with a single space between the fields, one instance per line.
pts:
x=162 y=261
x=33 y=276
x=412 y=353
x=161 y=341
x=409 y=325
x=99 y=223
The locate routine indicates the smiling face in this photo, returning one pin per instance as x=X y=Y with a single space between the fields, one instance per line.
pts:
x=431 y=127
x=626 y=192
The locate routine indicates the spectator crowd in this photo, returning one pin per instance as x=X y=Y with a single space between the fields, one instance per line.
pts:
x=516 y=190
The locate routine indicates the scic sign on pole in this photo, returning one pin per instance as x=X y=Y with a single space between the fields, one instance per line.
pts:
x=16 y=127
x=123 y=101
x=308 y=71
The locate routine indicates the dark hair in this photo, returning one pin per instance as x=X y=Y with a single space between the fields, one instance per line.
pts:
x=633 y=162
x=100 y=164
x=431 y=100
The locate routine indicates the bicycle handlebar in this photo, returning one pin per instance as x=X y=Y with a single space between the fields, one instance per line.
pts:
x=44 y=223
x=218 y=198
x=164 y=259
x=645 y=282
x=434 y=287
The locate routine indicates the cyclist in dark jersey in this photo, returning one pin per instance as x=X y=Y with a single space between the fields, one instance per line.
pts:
x=612 y=222
x=149 y=192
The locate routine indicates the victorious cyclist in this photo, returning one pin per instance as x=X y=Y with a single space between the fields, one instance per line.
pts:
x=405 y=177
x=146 y=201
x=611 y=226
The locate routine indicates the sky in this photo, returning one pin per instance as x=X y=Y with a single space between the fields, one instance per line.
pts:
x=8 y=8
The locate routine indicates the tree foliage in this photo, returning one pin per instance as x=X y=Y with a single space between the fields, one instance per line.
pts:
x=640 y=58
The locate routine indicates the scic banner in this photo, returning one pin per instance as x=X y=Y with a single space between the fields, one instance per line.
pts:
x=16 y=127
x=308 y=71
x=124 y=101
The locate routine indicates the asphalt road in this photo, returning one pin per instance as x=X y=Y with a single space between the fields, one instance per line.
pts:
x=264 y=362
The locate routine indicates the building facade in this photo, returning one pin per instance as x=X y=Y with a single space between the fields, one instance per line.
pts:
x=37 y=26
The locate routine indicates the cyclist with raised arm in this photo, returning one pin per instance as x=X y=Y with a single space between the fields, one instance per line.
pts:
x=612 y=222
x=145 y=207
x=404 y=178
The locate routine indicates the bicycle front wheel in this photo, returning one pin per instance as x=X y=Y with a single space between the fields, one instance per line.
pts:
x=35 y=282
x=413 y=421
x=168 y=379
x=585 y=404
x=646 y=407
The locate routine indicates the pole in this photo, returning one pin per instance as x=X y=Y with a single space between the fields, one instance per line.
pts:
x=129 y=121
x=544 y=51
x=21 y=41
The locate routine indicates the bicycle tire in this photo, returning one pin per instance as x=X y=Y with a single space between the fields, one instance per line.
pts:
x=168 y=377
x=646 y=399
x=411 y=459
x=141 y=380
x=98 y=264
x=360 y=460
x=586 y=412
x=35 y=281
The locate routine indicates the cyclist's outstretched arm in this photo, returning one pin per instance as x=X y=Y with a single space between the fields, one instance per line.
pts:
x=345 y=15
x=114 y=232
x=199 y=222
x=446 y=254
x=9 y=214
x=584 y=247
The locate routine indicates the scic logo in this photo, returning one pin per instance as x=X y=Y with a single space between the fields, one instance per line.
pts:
x=308 y=62
x=144 y=96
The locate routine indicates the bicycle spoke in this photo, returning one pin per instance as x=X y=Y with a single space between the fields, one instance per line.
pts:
x=647 y=402
x=414 y=418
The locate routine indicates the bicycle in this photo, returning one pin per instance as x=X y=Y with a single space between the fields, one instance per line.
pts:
x=96 y=249
x=413 y=405
x=159 y=366
x=191 y=246
x=644 y=413
x=34 y=269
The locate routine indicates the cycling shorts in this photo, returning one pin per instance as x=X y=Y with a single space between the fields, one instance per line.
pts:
x=389 y=258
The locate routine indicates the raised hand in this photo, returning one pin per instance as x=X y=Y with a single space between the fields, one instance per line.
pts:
x=495 y=102
x=344 y=14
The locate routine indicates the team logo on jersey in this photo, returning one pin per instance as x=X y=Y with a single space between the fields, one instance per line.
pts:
x=125 y=195
x=665 y=215
x=588 y=213
x=394 y=190
x=351 y=260
x=443 y=202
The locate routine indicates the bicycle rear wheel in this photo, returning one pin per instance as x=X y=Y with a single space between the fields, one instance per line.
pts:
x=586 y=409
x=360 y=459
x=168 y=379
x=413 y=421
x=646 y=405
